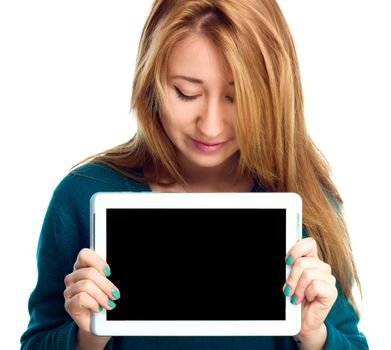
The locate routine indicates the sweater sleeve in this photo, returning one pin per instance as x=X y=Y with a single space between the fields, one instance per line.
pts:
x=50 y=326
x=341 y=324
x=342 y=320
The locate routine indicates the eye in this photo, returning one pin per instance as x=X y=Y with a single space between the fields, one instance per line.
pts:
x=186 y=98
x=183 y=96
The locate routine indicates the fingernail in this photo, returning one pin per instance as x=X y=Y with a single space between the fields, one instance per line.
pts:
x=106 y=271
x=294 y=298
x=115 y=293
x=111 y=303
x=100 y=308
x=289 y=260
x=287 y=290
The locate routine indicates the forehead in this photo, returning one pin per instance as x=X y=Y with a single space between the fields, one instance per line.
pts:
x=197 y=56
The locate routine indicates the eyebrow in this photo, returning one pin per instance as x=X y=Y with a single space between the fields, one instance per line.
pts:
x=194 y=80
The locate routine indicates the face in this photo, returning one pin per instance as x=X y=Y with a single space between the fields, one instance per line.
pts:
x=199 y=119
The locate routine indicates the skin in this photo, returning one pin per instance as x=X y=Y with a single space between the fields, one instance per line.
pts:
x=313 y=284
x=207 y=118
x=87 y=287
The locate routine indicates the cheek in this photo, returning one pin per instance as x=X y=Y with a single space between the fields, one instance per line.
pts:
x=181 y=114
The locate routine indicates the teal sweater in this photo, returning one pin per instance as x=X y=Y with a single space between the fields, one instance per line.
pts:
x=65 y=232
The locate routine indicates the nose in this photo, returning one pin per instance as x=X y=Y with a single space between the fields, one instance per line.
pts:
x=211 y=122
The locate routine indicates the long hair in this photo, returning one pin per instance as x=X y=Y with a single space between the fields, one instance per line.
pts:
x=274 y=145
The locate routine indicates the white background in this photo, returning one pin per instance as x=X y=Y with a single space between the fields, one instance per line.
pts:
x=66 y=69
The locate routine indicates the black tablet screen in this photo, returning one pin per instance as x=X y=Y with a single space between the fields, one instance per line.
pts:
x=197 y=264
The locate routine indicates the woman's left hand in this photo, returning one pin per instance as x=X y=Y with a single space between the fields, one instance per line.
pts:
x=310 y=283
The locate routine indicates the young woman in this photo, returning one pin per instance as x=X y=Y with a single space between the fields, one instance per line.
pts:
x=219 y=104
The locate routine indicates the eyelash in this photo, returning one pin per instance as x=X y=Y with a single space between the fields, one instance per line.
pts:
x=186 y=98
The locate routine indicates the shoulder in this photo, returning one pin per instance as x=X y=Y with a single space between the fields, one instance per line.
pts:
x=101 y=176
x=70 y=202
x=86 y=180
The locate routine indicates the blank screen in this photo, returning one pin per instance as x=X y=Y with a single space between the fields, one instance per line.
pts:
x=197 y=264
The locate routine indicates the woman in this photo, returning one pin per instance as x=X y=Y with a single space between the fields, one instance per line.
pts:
x=218 y=98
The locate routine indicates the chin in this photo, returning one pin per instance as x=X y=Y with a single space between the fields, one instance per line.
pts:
x=209 y=161
x=209 y=164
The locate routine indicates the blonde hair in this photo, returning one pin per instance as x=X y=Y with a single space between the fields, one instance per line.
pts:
x=275 y=148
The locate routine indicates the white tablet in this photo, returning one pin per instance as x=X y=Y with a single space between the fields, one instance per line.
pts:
x=197 y=264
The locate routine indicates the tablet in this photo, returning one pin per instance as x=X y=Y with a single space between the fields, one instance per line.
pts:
x=197 y=264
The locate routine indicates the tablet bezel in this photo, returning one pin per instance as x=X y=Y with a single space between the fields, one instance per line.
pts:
x=290 y=201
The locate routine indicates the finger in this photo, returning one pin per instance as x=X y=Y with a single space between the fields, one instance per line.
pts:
x=89 y=258
x=306 y=279
x=79 y=303
x=324 y=292
x=304 y=247
x=300 y=265
x=92 y=274
x=92 y=290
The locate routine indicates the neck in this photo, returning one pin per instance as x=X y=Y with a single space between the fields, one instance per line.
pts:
x=223 y=178
x=197 y=176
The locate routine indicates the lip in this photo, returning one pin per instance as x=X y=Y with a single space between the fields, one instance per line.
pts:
x=207 y=147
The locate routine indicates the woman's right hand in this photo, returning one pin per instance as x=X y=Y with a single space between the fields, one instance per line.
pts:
x=88 y=289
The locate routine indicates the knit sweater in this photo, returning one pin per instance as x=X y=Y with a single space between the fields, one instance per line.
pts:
x=65 y=231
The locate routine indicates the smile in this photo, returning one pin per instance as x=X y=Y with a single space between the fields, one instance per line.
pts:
x=207 y=147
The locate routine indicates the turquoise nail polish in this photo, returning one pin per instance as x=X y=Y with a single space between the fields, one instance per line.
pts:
x=100 y=308
x=287 y=290
x=106 y=271
x=294 y=298
x=111 y=303
x=115 y=293
x=289 y=260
